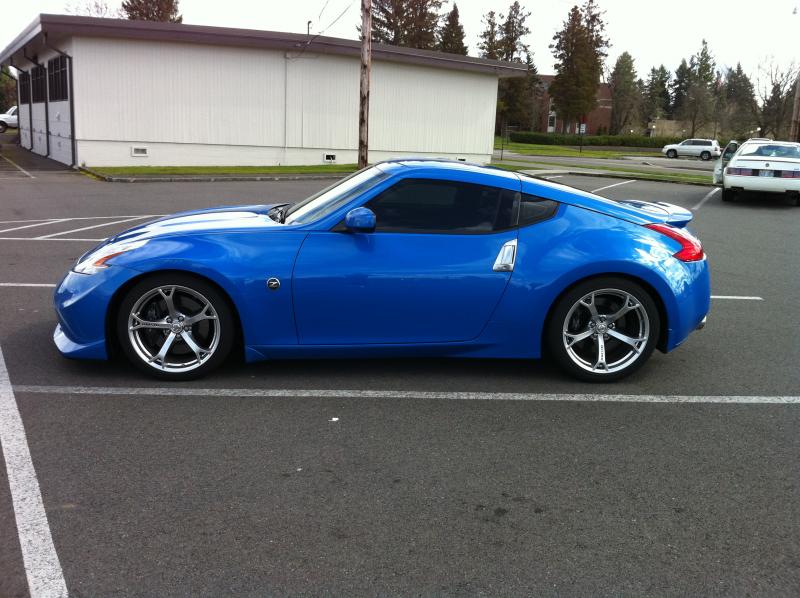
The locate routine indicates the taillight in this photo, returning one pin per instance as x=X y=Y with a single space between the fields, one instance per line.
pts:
x=790 y=174
x=691 y=248
x=739 y=171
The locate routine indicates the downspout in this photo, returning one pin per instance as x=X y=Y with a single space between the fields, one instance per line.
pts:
x=71 y=99
x=46 y=105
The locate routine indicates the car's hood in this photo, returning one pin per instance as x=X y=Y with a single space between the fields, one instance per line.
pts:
x=224 y=218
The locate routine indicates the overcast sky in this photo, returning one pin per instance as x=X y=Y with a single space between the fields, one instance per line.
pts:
x=653 y=31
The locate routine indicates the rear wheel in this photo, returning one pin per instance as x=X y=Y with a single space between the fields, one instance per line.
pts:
x=728 y=194
x=175 y=326
x=672 y=153
x=3 y=127
x=705 y=156
x=603 y=329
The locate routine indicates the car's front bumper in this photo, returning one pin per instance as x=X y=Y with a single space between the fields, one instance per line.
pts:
x=81 y=302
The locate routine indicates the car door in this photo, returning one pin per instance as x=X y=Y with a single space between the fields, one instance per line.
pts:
x=722 y=162
x=427 y=274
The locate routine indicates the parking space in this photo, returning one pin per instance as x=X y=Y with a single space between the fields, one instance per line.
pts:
x=425 y=476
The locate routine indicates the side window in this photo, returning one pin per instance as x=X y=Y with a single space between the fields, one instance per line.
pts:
x=433 y=206
x=534 y=209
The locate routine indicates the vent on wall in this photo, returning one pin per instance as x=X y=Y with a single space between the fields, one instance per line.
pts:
x=139 y=151
x=330 y=158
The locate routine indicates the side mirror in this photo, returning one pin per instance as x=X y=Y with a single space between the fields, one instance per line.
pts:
x=360 y=220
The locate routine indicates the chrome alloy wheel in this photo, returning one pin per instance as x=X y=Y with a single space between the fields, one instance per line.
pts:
x=173 y=328
x=605 y=331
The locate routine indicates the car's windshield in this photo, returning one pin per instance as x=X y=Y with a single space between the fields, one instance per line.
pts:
x=332 y=198
x=771 y=150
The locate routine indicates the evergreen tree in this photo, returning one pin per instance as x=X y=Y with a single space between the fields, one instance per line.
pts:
x=579 y=49
x=679 y=88
x=152 y=10
x=490 y=37
x=512 y=31
x=410 y=23
x=451 y=34
x=625 y=94
x=656 y=94
x=697 y=108
x=740 y=99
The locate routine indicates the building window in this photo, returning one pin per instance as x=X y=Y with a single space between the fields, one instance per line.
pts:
x=24 y=88
x=39 y=84
x=57 y=79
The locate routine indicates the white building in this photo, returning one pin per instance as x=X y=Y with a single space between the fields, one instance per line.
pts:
x=113 y=92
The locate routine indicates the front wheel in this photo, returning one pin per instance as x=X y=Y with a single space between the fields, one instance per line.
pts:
x=175 y=326
x=3 y=127
x=672 y=154
x=705 y=156
x=603 y=329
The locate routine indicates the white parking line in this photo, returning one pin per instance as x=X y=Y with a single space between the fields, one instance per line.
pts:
x=707 y=196
x=42 y=567
x=614 y=185
x=77 y=230
x=45 y=285
x=8 y=230
x=737 y=297
x=20 y=168
x=173 y=391
x=55 y=239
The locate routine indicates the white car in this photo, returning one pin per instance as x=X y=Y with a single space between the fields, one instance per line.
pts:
x=705 y=149
x=762 y=167
x=9 y=119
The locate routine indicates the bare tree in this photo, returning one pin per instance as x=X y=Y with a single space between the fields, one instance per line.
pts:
x=774 y=87
x=92 y=8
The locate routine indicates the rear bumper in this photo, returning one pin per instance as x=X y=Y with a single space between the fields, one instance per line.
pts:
x=762 y=184
x=692 y=300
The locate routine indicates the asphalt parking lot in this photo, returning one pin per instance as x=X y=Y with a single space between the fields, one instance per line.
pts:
x=429 y=477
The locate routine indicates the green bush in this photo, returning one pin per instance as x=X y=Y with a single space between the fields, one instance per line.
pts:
x=593 y=140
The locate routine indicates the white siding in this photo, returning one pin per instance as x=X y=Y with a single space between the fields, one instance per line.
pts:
x=39 y=129
x=195 y=104
x=24 y=126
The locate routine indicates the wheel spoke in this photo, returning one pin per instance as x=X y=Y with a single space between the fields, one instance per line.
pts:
x=199 y=352
x=168 y=299
x=142 y=323
x=629 y=340
x=601 y=354
x=590 y=305
x=571 y=338
x=203 y=314
x=162 y=354
x=630 y=305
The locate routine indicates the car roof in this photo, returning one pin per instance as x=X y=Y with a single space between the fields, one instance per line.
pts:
x=448 y=164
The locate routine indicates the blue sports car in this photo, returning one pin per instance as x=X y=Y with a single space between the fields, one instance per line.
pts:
x=404 y=258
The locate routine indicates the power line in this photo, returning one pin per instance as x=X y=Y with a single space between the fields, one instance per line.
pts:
x=331 y=24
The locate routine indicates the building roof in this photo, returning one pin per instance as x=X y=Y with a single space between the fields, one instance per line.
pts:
x=51 y=28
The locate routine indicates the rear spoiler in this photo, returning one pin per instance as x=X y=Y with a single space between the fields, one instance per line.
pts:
x=669 y=213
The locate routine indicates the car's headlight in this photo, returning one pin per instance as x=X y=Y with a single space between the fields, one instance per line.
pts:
x=97 y=260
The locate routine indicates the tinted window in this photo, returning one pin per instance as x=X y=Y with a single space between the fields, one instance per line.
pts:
x=417 y=205
x=39 y=84
x=24 y=84
x=535 y=209
x=57 y=79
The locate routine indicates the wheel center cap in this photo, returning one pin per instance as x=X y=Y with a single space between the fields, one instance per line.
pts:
x=602 y=327
x=176 y=327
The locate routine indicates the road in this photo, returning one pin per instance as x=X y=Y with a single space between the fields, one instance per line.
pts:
x=377 y=477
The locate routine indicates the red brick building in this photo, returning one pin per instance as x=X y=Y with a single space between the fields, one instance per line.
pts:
x=598 y=121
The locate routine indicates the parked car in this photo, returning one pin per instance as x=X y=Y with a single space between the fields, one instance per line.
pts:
x=9 y=120
x=404 y=258
x=705 y=149
x=762 y=166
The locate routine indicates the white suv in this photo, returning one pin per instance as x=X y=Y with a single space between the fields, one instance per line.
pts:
x=9 y=119
x=705 y=149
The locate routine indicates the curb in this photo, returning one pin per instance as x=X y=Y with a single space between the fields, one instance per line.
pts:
x=615 y=175
x=210 y=179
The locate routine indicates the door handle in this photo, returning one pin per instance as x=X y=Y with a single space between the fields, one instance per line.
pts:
x=506 y=257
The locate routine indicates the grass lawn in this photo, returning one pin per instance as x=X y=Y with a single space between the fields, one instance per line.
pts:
x=634 y=173
x=562 y=151
x=223 y=170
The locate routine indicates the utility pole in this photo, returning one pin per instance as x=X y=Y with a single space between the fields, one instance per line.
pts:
x=794 y=135
x=366 y=63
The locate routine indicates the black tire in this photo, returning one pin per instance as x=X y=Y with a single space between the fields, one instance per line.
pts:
x=213 y=335
x=705 y=156
x=672 y=154
x=3 y=127
x=728 y=194
x=607 y=288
